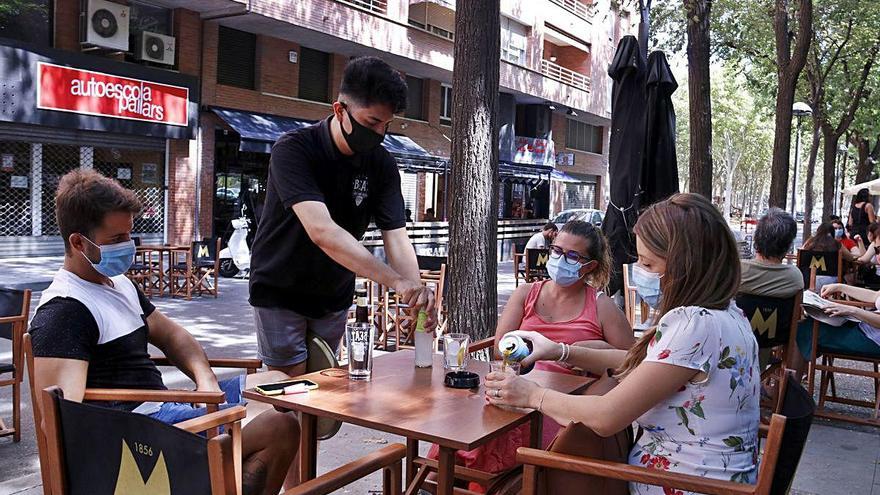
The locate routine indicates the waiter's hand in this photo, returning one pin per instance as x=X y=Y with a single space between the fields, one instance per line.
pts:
x=419 y=297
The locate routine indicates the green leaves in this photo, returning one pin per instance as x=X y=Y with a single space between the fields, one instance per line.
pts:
x=735 y=442
x=682 y=415
x=726 y=361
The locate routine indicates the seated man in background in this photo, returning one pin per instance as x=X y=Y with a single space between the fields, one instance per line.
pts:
x=767 y=275
x=544 y=238
x=92 y=327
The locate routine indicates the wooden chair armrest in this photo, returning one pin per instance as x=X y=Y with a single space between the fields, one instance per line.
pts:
x=213 y=420
x=246 y=363
x=626 y=472
x=12 y=319
x=139 y=395
x=355 y=470
x=479 y=345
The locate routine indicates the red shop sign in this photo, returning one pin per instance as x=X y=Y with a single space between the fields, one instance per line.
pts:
x=95 y=93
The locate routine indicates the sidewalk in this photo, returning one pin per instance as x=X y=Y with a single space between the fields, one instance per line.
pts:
x=838 y=459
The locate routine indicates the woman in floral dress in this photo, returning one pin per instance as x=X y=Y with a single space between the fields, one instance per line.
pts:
x=692 y=380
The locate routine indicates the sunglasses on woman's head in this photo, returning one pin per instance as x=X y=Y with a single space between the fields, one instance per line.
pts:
x=572 y=257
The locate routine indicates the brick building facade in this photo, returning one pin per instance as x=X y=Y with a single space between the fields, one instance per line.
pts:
x=554 y=95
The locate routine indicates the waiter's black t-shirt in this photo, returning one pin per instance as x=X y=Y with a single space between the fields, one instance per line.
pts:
x=287 y=269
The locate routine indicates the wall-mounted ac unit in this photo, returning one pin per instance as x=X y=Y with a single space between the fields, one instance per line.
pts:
x=155 y=47
x=107 y=25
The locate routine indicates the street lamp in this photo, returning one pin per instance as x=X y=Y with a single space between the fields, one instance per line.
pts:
x=799 y=110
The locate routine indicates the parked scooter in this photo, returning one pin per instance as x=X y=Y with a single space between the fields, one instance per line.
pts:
x=235 y=258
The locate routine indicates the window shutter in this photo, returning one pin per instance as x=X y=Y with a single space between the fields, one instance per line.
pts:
x=236 y=57
x=414 y=87
x=314 y=75
x=409 y=189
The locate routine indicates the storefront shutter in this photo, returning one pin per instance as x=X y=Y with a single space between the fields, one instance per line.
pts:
x=236 y=58
x=314 y=75
x=409 y=188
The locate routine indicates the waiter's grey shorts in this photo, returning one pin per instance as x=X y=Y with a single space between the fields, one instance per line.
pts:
x=281 y=334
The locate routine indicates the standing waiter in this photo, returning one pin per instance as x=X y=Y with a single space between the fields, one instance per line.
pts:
x=326 y=183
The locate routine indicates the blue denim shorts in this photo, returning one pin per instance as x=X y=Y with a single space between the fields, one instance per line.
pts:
x=175 y=412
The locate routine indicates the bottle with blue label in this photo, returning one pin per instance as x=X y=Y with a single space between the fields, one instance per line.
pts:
x=514 y=349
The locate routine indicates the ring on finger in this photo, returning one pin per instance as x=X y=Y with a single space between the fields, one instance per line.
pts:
x=497 y=393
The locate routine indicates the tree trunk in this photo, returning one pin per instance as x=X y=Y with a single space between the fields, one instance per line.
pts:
x=863 y=168
x=829 y=151
x=473 y=225
x=699 y=97
x=788 y=68
x=811 y=174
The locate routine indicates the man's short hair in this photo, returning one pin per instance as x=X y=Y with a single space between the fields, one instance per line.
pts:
x=774 y=233
x=369 y=80
x=84 y=197
x=550 y=226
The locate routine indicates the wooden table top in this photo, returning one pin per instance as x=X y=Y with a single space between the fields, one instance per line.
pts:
x=414 y=403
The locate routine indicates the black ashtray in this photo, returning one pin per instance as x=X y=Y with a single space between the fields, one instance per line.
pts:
x=462 y=379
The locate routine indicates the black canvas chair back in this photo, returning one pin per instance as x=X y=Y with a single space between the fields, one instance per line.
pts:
x=825 y=263
x=770 y=317
x=519 y=247
x=536 y=260
x=430 y=262
x=106 y=451
x=11 y=301
x=204 y=252
x=137 y=241
x=798 y=407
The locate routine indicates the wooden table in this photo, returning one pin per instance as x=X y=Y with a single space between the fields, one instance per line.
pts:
x=161 y=250
x=413 y=403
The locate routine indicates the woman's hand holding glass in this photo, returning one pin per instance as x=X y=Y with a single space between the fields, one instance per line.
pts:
x=508 y=389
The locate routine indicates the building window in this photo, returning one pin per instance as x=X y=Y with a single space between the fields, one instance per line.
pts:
x=314 y=75
x=445 y=104
x=236 y=58
x=583 y=137
x=149 y=18
x=29 y=21
x=414 y=96
x=513 y=41
x=437 y=17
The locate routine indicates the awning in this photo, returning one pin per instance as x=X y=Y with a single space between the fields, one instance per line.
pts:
x=510 y=172
x=873 y=187
x=562 y=177
x=259 y=131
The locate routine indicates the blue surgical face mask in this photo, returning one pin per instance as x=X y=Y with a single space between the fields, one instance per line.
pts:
x=116 y=259
x=647 y=285
x=562 y=272
x=838 y=233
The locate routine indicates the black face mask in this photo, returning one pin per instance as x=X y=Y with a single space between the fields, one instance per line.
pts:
x=361 y=139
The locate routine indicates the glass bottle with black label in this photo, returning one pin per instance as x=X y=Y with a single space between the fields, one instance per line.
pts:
x=362 y=312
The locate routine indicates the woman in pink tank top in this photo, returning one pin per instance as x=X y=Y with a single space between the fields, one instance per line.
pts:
x=567 y=308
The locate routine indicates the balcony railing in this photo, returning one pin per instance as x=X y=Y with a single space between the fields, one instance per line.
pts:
x=567 y=76
x=577 y=8
x=378 y=6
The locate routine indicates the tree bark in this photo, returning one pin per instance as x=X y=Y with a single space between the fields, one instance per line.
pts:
x=473 y=261
x=863 y=168
x=788 y=69
x=699 y=96
x=809 y=195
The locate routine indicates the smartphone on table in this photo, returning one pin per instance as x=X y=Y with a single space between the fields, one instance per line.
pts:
x=277 y=388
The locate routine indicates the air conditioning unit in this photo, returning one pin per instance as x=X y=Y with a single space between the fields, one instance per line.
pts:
x=155 y=47
x=107 y=25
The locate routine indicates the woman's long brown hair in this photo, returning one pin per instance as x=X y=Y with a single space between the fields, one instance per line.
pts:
x=702 y=260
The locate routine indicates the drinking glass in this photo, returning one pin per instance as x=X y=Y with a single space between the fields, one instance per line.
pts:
x=499 y=365
x=359 y=339
x=455 y=351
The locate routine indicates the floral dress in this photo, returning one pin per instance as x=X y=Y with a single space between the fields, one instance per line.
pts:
x=709 y=427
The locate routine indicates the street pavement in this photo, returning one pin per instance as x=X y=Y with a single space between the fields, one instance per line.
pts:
x=838 y=459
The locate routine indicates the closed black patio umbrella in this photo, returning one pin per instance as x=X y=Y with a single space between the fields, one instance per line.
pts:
x=659 y=178
x=627 y=146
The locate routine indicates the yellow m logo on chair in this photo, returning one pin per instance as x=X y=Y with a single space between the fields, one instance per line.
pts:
x=130 y=481
x=818 y=263
x=203 y=252
x=542 y=259
x=762 y=326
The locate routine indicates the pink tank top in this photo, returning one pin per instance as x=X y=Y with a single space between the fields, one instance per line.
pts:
x=584 y=326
